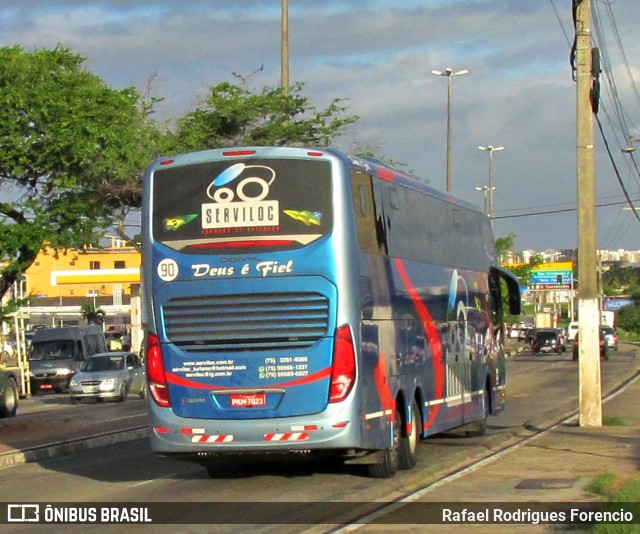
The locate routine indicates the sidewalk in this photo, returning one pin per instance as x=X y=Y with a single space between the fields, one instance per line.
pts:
x=555 y=466
x=66 y=429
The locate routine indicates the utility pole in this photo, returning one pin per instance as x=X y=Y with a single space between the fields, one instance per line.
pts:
x=588 y=311
x=284 y=47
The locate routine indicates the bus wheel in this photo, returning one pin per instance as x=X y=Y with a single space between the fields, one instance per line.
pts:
x=408 y=446
x=479 y=428
x=391 y=456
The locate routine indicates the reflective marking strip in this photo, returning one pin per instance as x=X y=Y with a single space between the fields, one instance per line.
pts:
x=192 y=430
x=287 y=436
x=376 y=415
x=302 y=428
x=205 y=438
x=454 y=400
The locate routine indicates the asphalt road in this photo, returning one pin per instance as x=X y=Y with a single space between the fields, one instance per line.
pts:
x=542 y=389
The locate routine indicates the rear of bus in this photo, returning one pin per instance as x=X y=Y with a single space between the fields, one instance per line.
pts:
x=244 y=254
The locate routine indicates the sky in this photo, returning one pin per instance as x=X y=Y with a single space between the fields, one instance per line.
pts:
x=378 y=57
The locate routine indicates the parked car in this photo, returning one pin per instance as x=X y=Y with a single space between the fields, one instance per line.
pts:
x=610 y=336
x=109 y=375
x=547 y=340
x=604 y=350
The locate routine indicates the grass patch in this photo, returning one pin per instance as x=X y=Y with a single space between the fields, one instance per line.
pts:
x=613 y=421
x=613 y=491
x=602 y=485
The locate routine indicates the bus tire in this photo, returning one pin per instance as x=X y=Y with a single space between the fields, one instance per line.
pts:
x=479 y=428
x=408 y=445
x=8 y=398
x=390 y=463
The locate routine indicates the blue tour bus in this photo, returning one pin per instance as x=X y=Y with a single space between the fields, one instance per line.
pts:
x=305 y=301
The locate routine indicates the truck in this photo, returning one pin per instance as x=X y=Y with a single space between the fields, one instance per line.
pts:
x=14 y=382
x=608 y=318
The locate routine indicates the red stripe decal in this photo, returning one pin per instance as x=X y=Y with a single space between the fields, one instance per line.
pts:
x=179 y=381
x=432 y=334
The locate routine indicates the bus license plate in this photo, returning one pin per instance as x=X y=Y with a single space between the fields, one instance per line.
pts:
x=254 y=400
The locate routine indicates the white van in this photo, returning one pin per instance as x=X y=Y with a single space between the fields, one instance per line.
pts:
x=572 y=331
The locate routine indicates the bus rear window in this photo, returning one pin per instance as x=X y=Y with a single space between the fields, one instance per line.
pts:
x=235 y=206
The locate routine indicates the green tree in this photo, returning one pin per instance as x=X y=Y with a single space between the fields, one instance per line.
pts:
x=621 y=280
x=233 y=115
x=72 y=152
x=629 y=318
x=92 y=315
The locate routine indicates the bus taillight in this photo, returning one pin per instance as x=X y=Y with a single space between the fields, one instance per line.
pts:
x=343 y=371
x=155 y=372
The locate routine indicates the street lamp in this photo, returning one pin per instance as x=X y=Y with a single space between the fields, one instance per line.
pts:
x=630 y=148
x=484 y=190
x=449 y=73
x=491 y=149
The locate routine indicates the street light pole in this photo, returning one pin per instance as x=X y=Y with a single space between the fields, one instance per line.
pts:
x=484 y=190
x=284 y=47
x=449 y=73
x=491 y=149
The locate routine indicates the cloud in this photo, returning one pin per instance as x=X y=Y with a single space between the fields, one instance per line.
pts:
x=378 y=56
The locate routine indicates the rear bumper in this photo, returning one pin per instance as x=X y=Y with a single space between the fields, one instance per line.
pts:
x=331 y=429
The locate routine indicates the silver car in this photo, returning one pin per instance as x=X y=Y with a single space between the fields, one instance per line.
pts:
x=109 y=375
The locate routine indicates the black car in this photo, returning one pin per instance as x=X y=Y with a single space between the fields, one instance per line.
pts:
x=547 y=341
x=604 y=349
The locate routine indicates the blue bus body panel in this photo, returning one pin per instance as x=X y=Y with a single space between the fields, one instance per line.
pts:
x=196 y=317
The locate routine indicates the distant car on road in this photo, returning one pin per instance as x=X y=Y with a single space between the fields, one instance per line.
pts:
x=109 y=375
x=114 y=340
x=548 y=340
x=610 y=336
x=604 y=350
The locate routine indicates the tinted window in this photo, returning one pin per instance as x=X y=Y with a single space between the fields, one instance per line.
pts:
x=52 y=350
x=409 y=224
x=222 y=206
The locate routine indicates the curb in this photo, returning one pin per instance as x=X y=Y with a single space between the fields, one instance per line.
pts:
x=62 y=448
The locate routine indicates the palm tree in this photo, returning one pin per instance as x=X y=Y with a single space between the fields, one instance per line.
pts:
x=91 y=315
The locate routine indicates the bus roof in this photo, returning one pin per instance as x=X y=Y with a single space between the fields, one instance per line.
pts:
x=366 y=164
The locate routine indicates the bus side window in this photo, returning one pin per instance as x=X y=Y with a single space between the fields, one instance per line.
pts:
x=369 y=222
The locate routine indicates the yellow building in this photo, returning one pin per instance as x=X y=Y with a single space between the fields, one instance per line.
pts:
x=59 y=282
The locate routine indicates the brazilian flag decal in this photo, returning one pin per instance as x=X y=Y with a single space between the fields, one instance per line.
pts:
x=307 y=217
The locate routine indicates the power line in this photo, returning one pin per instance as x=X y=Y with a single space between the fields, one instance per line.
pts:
x=563 y=210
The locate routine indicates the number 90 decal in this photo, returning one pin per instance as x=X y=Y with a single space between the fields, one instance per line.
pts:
x=167 y=270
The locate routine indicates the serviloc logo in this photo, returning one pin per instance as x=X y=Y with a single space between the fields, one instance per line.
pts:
x=238 y=195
